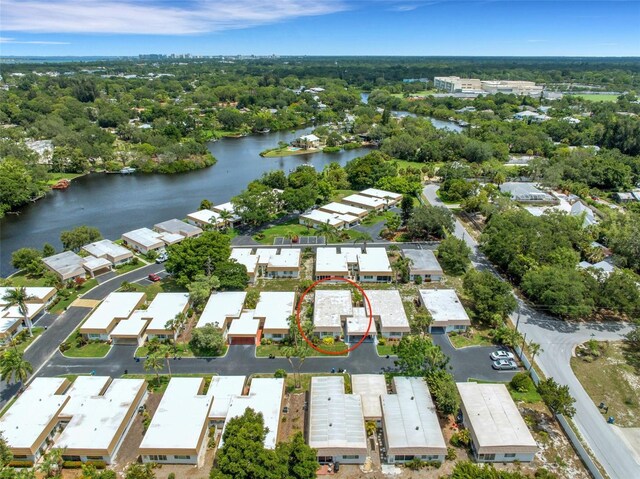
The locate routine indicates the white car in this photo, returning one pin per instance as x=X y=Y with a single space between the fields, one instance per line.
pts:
x=497 y=355
x=505 y=365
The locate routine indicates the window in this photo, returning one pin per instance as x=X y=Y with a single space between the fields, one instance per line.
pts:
x=366 y=276
x=182 y=457
x=511 y=456
x=350 y=456
x=486 y=457
x=71 y=458
x=325 y=459
x=94 y=458
x=157 y=457
x=403 y=457
x=277 y=336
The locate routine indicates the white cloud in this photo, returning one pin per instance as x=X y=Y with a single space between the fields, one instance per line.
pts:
x=154 y=17
x=32 y=42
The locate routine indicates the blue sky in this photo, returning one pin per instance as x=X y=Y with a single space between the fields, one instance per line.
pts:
x=320 y=27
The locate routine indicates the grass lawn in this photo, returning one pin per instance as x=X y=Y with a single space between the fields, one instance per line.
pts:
x=446 y=202
x=529 y=396
x=283 y=229
x=280 y=284
x=93 y=349
x=53 y=178
x=377 y=218
x=305 y=381
x=418 y=93
x=613 y=378
x=386 y=349
x=339 y=194
x=275 y=349
x=159 y=383
x=165 y=286
x=473 y=337
x=23 y=279
x=182 y=350
x=26 y=340
x=60 y=306
x=599 y=98
x=126 y=268
x=286 y=152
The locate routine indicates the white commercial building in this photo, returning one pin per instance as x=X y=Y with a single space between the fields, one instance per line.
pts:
x=222 y=308
x=370 y=387
x=115 y=307
x=445 y=308
x=423 y=263
x=336 y=422
x=498 y=432
x=453 y=84
x=274 y=310
x=410 y=423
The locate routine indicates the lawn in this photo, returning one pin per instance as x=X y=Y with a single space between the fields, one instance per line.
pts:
x=128 y=267
x=612 y=378
x=92 y=349
x=290 y=227
x=275 y=349
x=339 y=194
x=473 y=337
x=53 y=178
x=305 y=381
x=377 y=218
x=165 y=286
x=530 y=396
x=159 y=383
x=598 y=98
x=384 y=350
x=61 y=305
x=23 y=279
x=25 y=340
x=181 y=350
x=278 y=152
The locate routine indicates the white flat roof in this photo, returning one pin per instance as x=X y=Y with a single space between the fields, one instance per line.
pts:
x=114 y=306
x=410 y=417
x=171 y=238
x=66 y=263
x=134 y=326
x=165 y=307
x=335 y=418
x=323 y=217
x=493 y=417
x=32 y=413
x=97 y=418
x=382 y=194
x=177 y=226
x=92 y=263
x=245 y=325
x=344 y=209
x=387 y=305
x=265 y=396
x=106 y=247
x=330 y=306
x=143 y=236
x=275 y=308
x=180 y=418
x=357 y=323
x=443 y=305
x=220 y=306
x=228 y=206
x=423 y=261
x=366 y=201
x=330 y=261
x=205 y=216
x=222 y=389
x=285 y=258
x=245 y=257
x=375 y=260
x=370 y=387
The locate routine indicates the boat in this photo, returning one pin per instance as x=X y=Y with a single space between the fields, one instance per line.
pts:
x=62 y=184
x=127 y=170
x=264 y=131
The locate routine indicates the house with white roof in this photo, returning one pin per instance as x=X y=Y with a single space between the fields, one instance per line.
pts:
x=223 y=389
x=31 y=422
x=390 y=198
x=330 y=310
x=317 y=218
x=244 y=330
x=307 y=141
x=410 y=423
x=498 y=432
x=71 y=266
x=11 y=319
x=526 y=193
x=110 y=251
x=144 y=240
x=273 y=311
x=388 y=313
x=336 y=422
x=265 y=397
x=269 y=262
x=221 y=308
x=342 y=209
x=423 y=263
x=178 y=227
x=361 y=264
x=370 y=387
x=445 y=308
x=229 y=208
x=163 y=309
x=114 y=308
x=367 y=202
x=97 y=417
x=204 y=219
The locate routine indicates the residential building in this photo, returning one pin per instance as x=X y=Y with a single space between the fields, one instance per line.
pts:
x=331 y=308
x=161 y=311
x=498 y=432
x=389 y=316
x=336 y=422
x=11 y=319
x=370 y=387
x=269 y=262
x=221 y=308
x=362 y=264
x=307 y=142
x=604 y=267
x=626 y=197
x=317 y=218
x=579 y=208
x=423 y=264
x=97 y=417
x=390 y=198
x=110 y=251
x=31 y=422
x=359 y=327
x=70 y=266
x=144 y=240
x=531 y=116
x=410 y=423
x=223 y=389
x=342 y=209
x=204 y=219
x=178 y=227
x=366 y=202
x=229 y=208
x=445 y=308
x=273 y=311
x=115 y=307
x=526 y=193
x=243 y=330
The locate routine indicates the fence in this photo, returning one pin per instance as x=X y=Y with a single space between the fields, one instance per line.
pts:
x=564 y=424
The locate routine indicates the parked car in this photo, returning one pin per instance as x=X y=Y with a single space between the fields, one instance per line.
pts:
x=154 y=277
x=505 y=365
x=497 y=355
x=162 y=258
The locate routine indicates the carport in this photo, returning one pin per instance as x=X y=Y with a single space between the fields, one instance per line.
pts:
x=356 y=327
x=244 y=330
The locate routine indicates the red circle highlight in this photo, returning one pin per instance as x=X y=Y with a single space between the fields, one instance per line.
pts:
x=299 y=308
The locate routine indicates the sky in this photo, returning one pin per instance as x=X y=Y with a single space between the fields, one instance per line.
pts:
x=320 y=27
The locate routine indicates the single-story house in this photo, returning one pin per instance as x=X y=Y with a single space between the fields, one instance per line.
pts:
x=366 y=202
x=307 y=141
x=221 y=308
x=390 y=198
x=229 y=208
x=342 y=209
x=11 y=319
x=370 y=387
x=331 y=308
x=526 y=193
x=163 y=309
x=204 y=219
x=269 y=262
x=178 y=227
x=66 y=265
x=445 y=308
x=367 y=265
x=423 y=263
x=273 y=311
x=115 y=307
x=244 y=330
x=109 y=250
x=388 y=313
x=498 y=432
x=317 y=218
x=144 y=240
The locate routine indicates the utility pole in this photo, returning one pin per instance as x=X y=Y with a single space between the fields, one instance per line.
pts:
x=518 y=319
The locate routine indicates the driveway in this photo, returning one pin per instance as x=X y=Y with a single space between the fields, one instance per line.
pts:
x=558 y=339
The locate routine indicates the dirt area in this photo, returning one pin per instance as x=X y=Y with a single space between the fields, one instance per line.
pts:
x=293 y=420
x=192 y=472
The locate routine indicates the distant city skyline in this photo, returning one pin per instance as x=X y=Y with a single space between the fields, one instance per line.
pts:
x=320 y=27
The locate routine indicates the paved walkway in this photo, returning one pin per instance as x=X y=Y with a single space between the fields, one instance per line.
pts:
x=558 y=339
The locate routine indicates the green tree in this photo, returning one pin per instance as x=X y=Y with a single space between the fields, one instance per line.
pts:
x=23 y=257
x=417 y=355
x=16 y=184
x=154 y=363
x=393 y=222
x=443 y=388
x=300 y=459
x=140 y=471
x=619 y=292
x=205 y=204
x=365 y=171
x=232 y=276
x=257 y=204
x=556 y=397
x=200 y=289
x=89 y=471
x=299 y=351
x=207 y=340
x=453 y=255
x=19 y=298
x=428 y=222
x=196 y=256
x=48 y=250
x=78 y=237
x=51 y=463
x=491 y=296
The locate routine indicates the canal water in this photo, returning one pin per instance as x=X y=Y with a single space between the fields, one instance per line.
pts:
x=118 y=203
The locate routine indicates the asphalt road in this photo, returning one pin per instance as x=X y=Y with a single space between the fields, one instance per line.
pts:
x=558 y=340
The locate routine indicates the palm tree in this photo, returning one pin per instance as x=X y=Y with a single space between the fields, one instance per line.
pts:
x=166 y=357
x=226 y=217
x=154 y=363
x=13 y=367
x=329 y=231
x=51 y=465
x=535 y=349
x=19 y=297
x=301 y=353
x=176 y=324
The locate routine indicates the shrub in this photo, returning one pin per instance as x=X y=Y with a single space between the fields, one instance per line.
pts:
x=97 y=464
x=418 y=279
x=328 y=340
x=521 y=382
x=382 y=341
x=331 y=149
x=451 y=454
x=15 y=463
x=415 y=464
x=71 y=464
x=280 y=373
x=172 y=475
x=461 y=438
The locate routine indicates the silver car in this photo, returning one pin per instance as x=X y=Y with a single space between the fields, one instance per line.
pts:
x=505 y=365
x=497 y=355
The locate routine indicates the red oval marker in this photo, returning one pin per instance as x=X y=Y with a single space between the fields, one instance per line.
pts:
x=309 y=342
